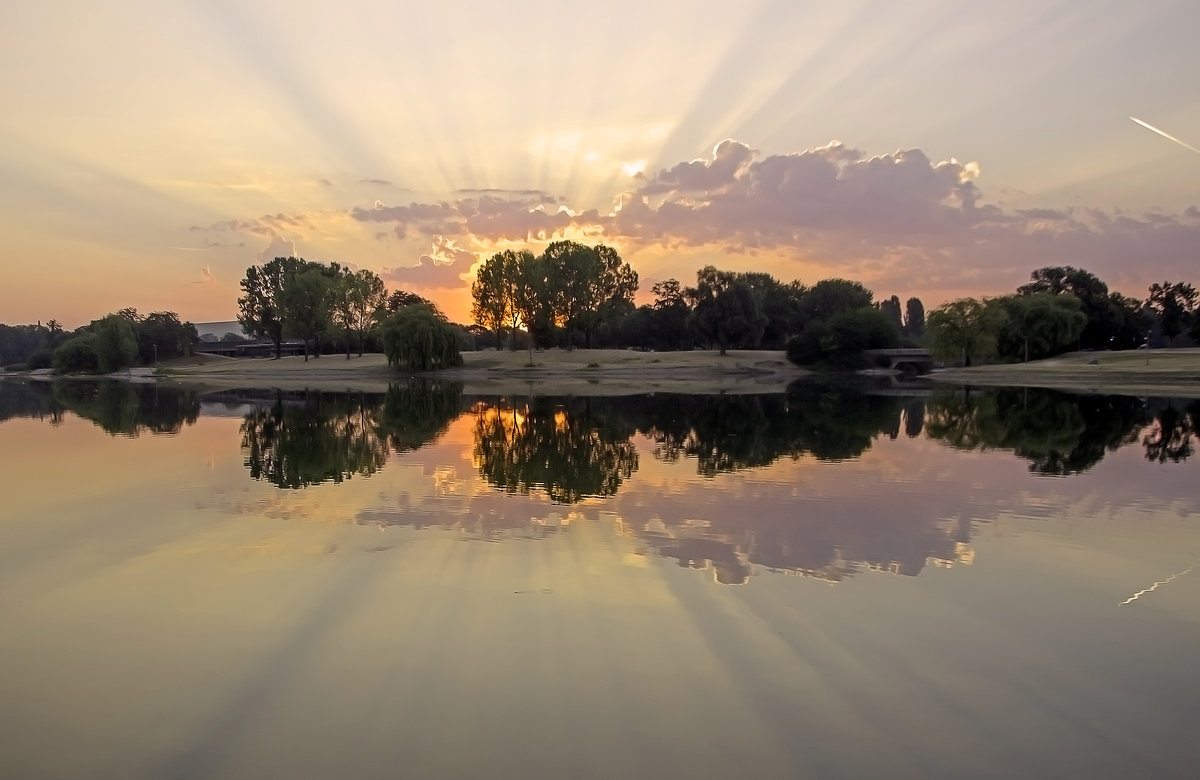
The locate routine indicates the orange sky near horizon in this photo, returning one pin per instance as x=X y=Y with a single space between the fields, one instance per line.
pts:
x=149 y=155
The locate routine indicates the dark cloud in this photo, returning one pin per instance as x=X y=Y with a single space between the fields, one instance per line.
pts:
x=376 y=182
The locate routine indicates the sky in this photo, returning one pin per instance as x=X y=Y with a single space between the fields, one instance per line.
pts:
x=151 y=151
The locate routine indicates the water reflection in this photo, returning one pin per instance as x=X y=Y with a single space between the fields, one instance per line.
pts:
x=252 y=631
x=570 y=448
x=302 y=438
x=119 y=408
x=1058 y=433
x=1170 y=435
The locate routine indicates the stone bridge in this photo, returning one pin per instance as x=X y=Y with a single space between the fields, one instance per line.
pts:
x=911 y=359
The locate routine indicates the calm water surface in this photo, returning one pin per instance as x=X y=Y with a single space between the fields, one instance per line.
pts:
x=819 y=584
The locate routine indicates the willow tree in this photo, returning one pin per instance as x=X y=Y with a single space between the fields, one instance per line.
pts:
x=965 y=329
x=417 y=338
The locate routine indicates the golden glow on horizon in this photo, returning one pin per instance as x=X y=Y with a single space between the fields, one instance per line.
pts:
x=240 y=120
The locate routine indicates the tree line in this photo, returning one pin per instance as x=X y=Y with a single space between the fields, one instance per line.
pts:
x=578 y=295
x=111 y=343
x=1061 y=308
x=574 y=294
x=290 y=297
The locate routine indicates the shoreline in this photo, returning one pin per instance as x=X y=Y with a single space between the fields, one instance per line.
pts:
x=1150 y=372
x=553 y=372
x=1168 y=372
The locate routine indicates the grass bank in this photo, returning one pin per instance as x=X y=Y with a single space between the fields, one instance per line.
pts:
x=551 y=372
x=1171 y=372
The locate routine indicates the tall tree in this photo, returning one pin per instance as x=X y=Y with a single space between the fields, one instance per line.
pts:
x=305 y=302
x=966 y=329
x=832 y=296
x=582 y=279
x=496 y=291
x=400 y=298
x=359 y=298
x=115 y=343
x=260 y=310
x=534 y=299
x=667 y=319
x=1175 y=305
x=161 y=335
x=727 y=311
x=891 y=309
x=914 y=318
x=1102 y=322
x=780 y=304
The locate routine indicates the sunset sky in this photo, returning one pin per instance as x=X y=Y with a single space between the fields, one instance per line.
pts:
x=151 y=151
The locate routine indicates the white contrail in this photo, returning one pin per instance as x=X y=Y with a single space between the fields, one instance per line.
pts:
x=1167 y=136
x=1154 y=587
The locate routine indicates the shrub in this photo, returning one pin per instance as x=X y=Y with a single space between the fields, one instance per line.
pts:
x=77 y=354
x=43 y=358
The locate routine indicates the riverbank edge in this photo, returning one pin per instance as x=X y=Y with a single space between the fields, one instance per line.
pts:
x=1173 y=373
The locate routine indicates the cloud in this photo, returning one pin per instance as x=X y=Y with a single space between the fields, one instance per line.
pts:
x=278 y=247
x=737 y=201
x=376 y=182
x=206 y=275
x=729 y=158
x=902 y=221
x=441 y=268
x=252 y=226
x=492 y=215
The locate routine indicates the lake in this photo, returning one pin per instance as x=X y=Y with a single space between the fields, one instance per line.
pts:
x=833 y=582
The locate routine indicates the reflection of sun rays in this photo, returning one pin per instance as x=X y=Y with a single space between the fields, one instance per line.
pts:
x=1154 y=587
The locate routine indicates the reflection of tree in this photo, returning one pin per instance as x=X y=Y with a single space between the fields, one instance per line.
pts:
x=120 y=408
x=731 y=433
x=914 y=418
x=308 y=437
x=1170 y=435
x=315 y=437
x=566 y=448
x=839 y=424
x=28 y=399
x=418 y=411
x=1058 y=433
